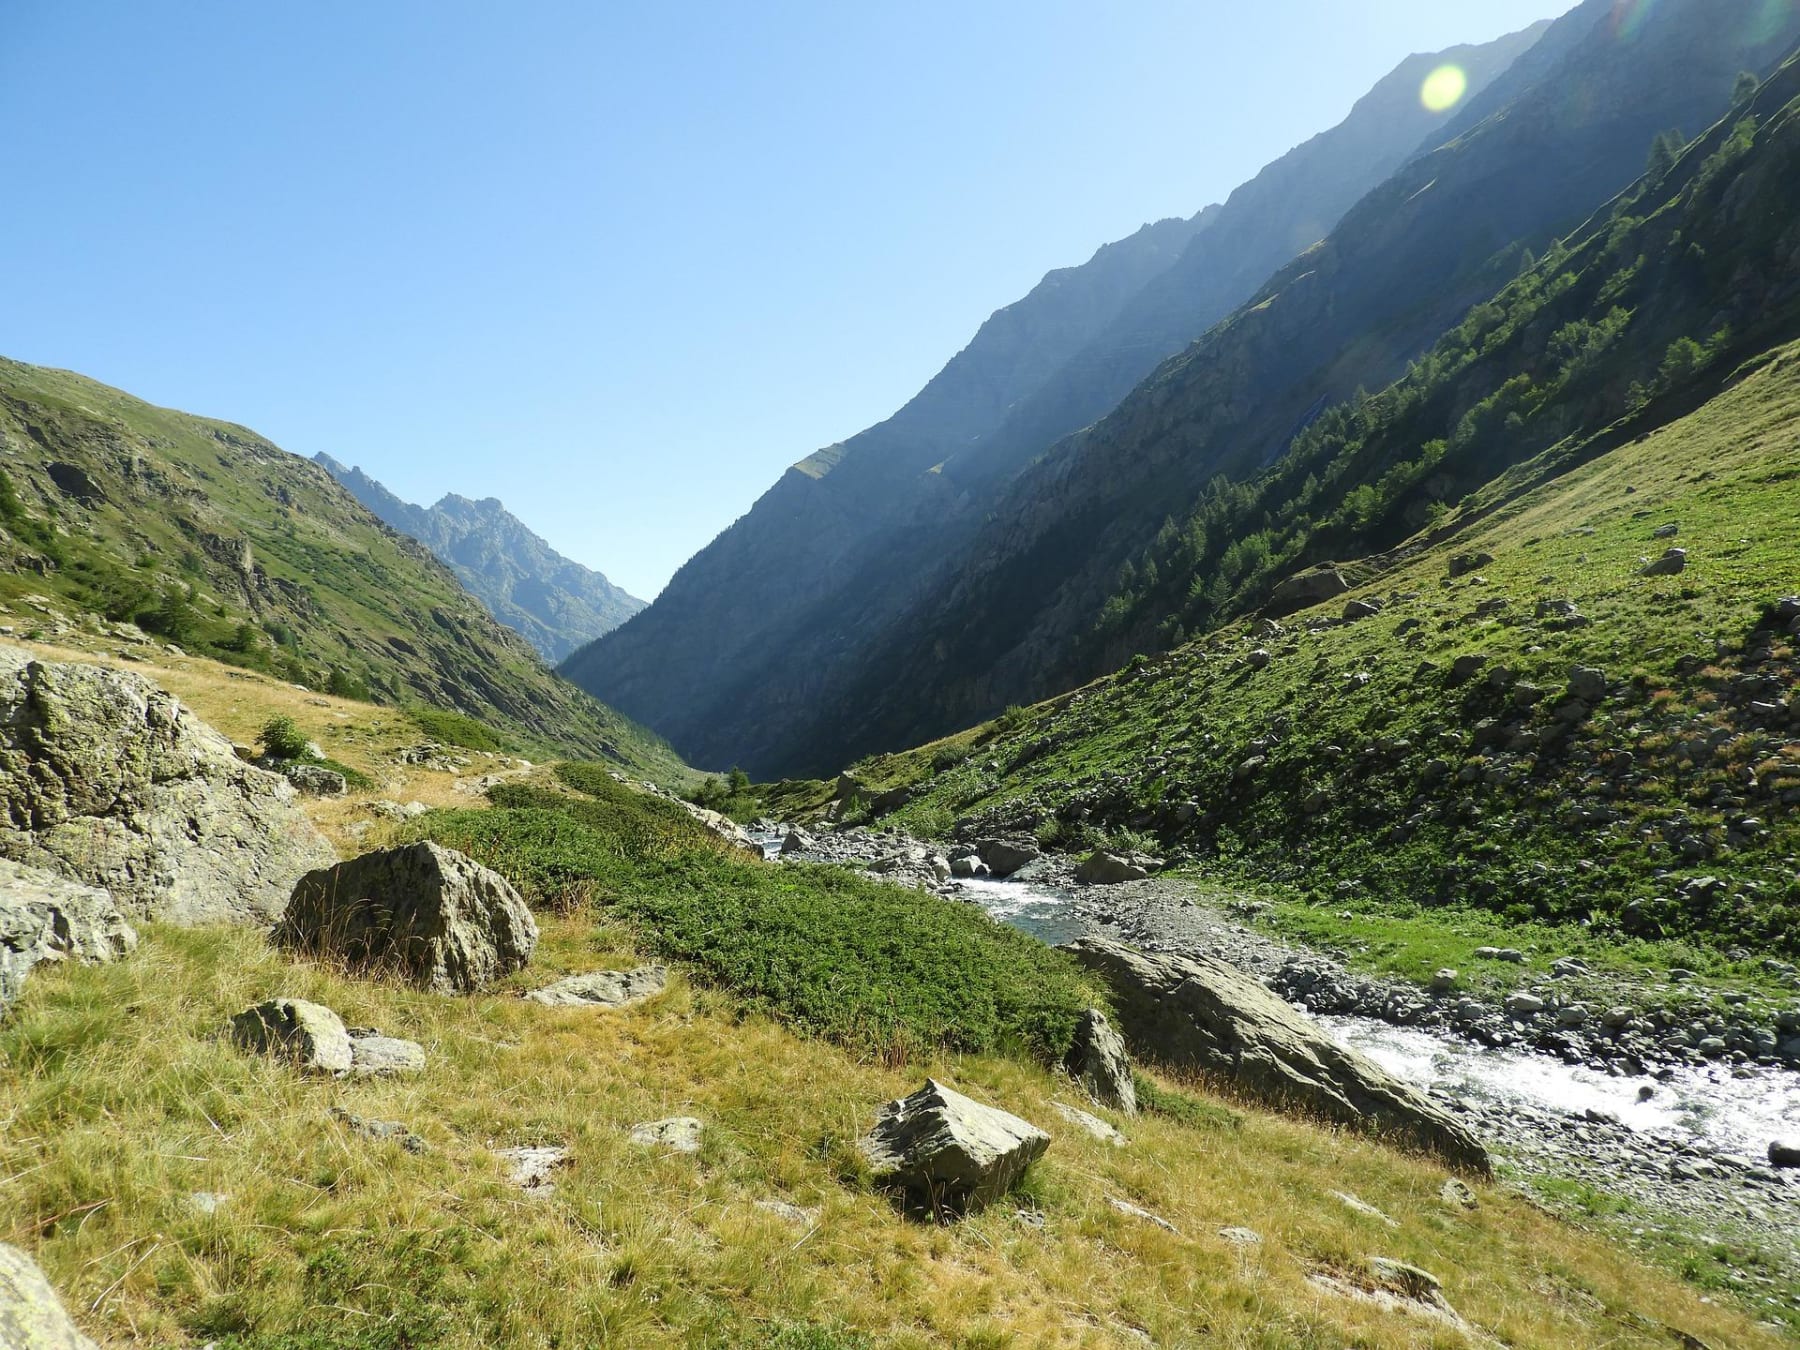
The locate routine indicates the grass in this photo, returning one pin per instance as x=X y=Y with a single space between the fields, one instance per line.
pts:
x=122 y=1102
x=1352 y=773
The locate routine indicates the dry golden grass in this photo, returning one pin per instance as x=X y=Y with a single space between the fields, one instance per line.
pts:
x=121 y=1101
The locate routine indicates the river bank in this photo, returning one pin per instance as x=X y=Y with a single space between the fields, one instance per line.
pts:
x=1634 y=1118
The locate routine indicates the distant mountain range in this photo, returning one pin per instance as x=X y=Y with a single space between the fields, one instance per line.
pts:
x=556 y=604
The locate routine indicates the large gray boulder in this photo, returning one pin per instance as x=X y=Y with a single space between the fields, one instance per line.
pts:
x=31 y=1315
x=1199 y=1014
x=1109 y=869
x=1006 y=856
x=44 y=917
x=1323 y=582
x=109 y=780
x=948 y=1152
x=421 y=911
x=1098 y=1061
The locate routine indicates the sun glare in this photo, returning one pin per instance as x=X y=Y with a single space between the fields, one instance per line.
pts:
x=1444 y=88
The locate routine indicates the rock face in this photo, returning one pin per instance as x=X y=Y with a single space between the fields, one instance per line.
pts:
x=44 y=917
x=1200 y=1014
x=950 y=1152
x=604 y=988
x=1098 y=1061
x=424 y=911
x=31 y=1315
x=107 y=779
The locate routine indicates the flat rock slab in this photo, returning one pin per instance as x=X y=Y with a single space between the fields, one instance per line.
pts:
x=31 y=1315
x=375 y=1056
x=678 y=1134
x=109 y=780
x=1199 y=1014
x=948 y=1151
x=1241 y=1237
x=1132 y=1211
x=783 y=1209
x=380 y=1130
x=421 y=911
x=1092 y=1124
x=531 y=1167
x=46 y=917
x=604 y=988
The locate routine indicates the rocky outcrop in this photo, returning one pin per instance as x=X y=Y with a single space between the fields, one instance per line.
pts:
x=1005 y=856
x=948 y=1152
x=44 y=917
x=31 y=1315
x=1197 y=1014
x=1098 y=1061
x=422 y=911
x=107 y=779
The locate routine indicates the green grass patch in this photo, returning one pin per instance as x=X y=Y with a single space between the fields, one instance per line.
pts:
x=458 y=729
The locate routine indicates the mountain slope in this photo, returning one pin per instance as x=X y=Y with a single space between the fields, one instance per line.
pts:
x=555 y=604
x=213 y=538
x=1005 y=618
x=746 y=628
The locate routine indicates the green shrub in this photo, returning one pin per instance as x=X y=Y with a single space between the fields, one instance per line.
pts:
x=282 y=739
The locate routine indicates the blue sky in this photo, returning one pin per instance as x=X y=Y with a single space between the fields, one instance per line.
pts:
x=617 y=264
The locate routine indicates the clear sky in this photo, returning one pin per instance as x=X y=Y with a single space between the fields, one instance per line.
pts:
x=615 y=262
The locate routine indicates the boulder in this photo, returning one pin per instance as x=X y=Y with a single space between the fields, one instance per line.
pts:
x=45 y=917
x=1004 y=857
x=1671 y=563
x=373 y=1055
x=604 y=988
x=381 y=1130
x=109 y=780
x=1784 y=1153
x=315 y=779
x=1109 y=869
x=422 y=911
x=1361 y=609
x=1098 y=1061
x=31 y=1315
x=797 y=841
x=1306 y=588
x=1464 y=563
x=1588 y=684
x=948 y=1152
x=1199 y=1014
x=310 y=1034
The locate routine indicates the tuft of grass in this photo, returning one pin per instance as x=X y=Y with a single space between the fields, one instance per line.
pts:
x=458 y=729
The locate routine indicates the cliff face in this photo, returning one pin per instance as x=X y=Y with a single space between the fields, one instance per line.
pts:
x=758 y=626
x=556 y=604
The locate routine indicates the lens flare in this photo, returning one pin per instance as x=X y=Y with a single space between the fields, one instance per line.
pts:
x=1444 y=89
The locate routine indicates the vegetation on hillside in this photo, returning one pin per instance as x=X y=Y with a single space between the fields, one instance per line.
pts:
x=204 y=535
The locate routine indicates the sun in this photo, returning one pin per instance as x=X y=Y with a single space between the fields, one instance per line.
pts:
x=1444 y=88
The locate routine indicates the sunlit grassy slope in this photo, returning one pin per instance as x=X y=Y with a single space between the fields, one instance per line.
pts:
x=122 y=1104
x=1356 y=768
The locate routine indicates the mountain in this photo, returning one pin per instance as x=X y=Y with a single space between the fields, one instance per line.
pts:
x=1010 y=610
x=744 y=634
x=1556 y=673
x=557 y=605
x=211 y=537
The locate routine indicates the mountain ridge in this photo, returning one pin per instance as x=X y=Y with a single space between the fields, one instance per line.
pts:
x=553 y=602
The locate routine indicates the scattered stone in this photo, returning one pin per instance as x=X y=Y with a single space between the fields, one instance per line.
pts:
x=1784 y=1153
x=107 y=779
x=31 y=1315
x=1509 y=954
x=1095 y=1126
x=315 y=780
x=423 y=911
x=375 y=1056
x=604 y=988
x=949 y=1152
x=207 y=1202
x=1241 y=1237
x=1670 y=564
x=1357 y=1205
x=1458 y=1194
x=379 y=1130
x=531 y=1167
x=309 y=1034
x=797 y=841
x=1199 y=1013
x=45 y=917
x=1464 y=563
x=1587 y=683
x=1097 y=1060
x=1360 y=609
x=968 y=867
x=1466 y=667
x=1139 y=1212
x=1668 y=531
x=1524 y=1005
x=678 y=1134
x=793 y=1213
x=1109 y=869
x=1444 y=981
x=1258 y=659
